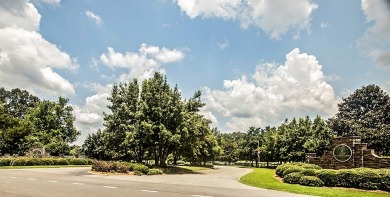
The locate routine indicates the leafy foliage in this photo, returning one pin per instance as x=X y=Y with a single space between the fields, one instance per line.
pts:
x=151 y=121
x=27 y=122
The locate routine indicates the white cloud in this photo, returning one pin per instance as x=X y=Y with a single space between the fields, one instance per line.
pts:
x=89 y=117
x=332 y=77
x=324 y=25
x=274 y=17
x=96 y=18
x=27 y=60
x=273 y=93
x=52 y=2
x=19 y=13
x=376 y=41
x=143 y=63
x=224 y=44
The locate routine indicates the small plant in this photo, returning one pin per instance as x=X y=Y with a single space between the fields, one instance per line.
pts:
x=154 y=172
x=138 y=173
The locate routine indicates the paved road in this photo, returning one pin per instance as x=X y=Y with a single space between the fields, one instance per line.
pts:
x=78 y=182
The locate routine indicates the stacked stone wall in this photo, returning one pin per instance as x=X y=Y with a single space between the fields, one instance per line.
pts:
x=360 y=155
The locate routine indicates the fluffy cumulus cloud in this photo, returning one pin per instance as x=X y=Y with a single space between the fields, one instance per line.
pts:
x=274 y=17
x=141 y=64
x=376 y=41
x=273 y=93
x=93 y=16
x=89 y=117
x=27 y=60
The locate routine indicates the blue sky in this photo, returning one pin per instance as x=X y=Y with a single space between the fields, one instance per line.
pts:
x=256 y=61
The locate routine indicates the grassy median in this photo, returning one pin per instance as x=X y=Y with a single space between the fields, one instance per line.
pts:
x=265 y=178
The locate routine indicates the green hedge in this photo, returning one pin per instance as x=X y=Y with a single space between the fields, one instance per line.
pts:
x=311 y=181
x=360 y=178
x=308 y=169
x=119 y=167
x=26 y=161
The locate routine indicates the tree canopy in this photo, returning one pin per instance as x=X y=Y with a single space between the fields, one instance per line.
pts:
x=27 y=122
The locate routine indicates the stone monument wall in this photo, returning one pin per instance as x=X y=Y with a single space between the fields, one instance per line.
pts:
x=348 y=152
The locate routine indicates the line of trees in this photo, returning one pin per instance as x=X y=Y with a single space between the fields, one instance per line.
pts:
x=152 y=121
x=27 y=122
x=288 y=142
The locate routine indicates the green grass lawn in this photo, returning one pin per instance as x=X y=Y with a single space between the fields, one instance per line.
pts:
x=265 y=178
x=48 y=166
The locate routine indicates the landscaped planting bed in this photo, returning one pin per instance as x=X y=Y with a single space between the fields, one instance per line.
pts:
x=312 y=175
x=124 y=167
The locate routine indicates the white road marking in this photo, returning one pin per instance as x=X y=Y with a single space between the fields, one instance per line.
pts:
x=31 y=179
x=78 y=183
x=201 y=196
x=14 y=177
x=51 y=181
x=111 y=187
x=151 y=191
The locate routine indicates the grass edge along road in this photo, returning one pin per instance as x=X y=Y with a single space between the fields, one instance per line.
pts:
x=265 y=178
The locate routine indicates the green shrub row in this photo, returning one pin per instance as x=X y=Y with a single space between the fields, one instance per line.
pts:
x=308 y=169
x=123 y=167
x=26 y=161
x=312 y=175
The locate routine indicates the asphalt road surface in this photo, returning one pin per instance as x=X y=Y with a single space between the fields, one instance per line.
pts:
x=79 y=182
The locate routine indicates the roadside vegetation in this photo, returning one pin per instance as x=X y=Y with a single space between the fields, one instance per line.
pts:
x=49 y=161
x=266 y=178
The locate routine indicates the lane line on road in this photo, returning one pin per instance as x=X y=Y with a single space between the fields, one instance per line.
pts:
x=111 y=187
x=150 y=191
x=52 y=181
x=31 y=179
x=78 y=183
x=14 y=177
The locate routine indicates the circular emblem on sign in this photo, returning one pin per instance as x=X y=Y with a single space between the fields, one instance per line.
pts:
x=342 y=153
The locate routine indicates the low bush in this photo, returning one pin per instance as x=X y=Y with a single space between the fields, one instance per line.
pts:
x=142 y=168
x=292 y=178
x=385 y=179
x=154 y=172
x=368 y=179
x=307 y=169
x=311 y=181
x=26 y=161
x=138 y=173
x=5 y=161
x=329 y=177
x=291 y=170
x=119 y=167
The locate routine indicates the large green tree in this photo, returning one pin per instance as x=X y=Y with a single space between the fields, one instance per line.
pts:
x=365 y=113
x=152 y=121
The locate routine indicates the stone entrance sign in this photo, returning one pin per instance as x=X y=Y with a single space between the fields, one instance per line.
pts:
x=348 y=152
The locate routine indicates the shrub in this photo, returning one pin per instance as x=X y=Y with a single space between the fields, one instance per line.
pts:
x=141 y=168
x=368 y=179
x=154 y=172
x=292 y=178
x=5 y=161
x=309 y=172
x=121 y=167
x=138 y=173
x=61 y=161
x=311 y=181
x=348 y=178
x=291 y=170
x=385 y=179
x=329 y=177
x=287 y=168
